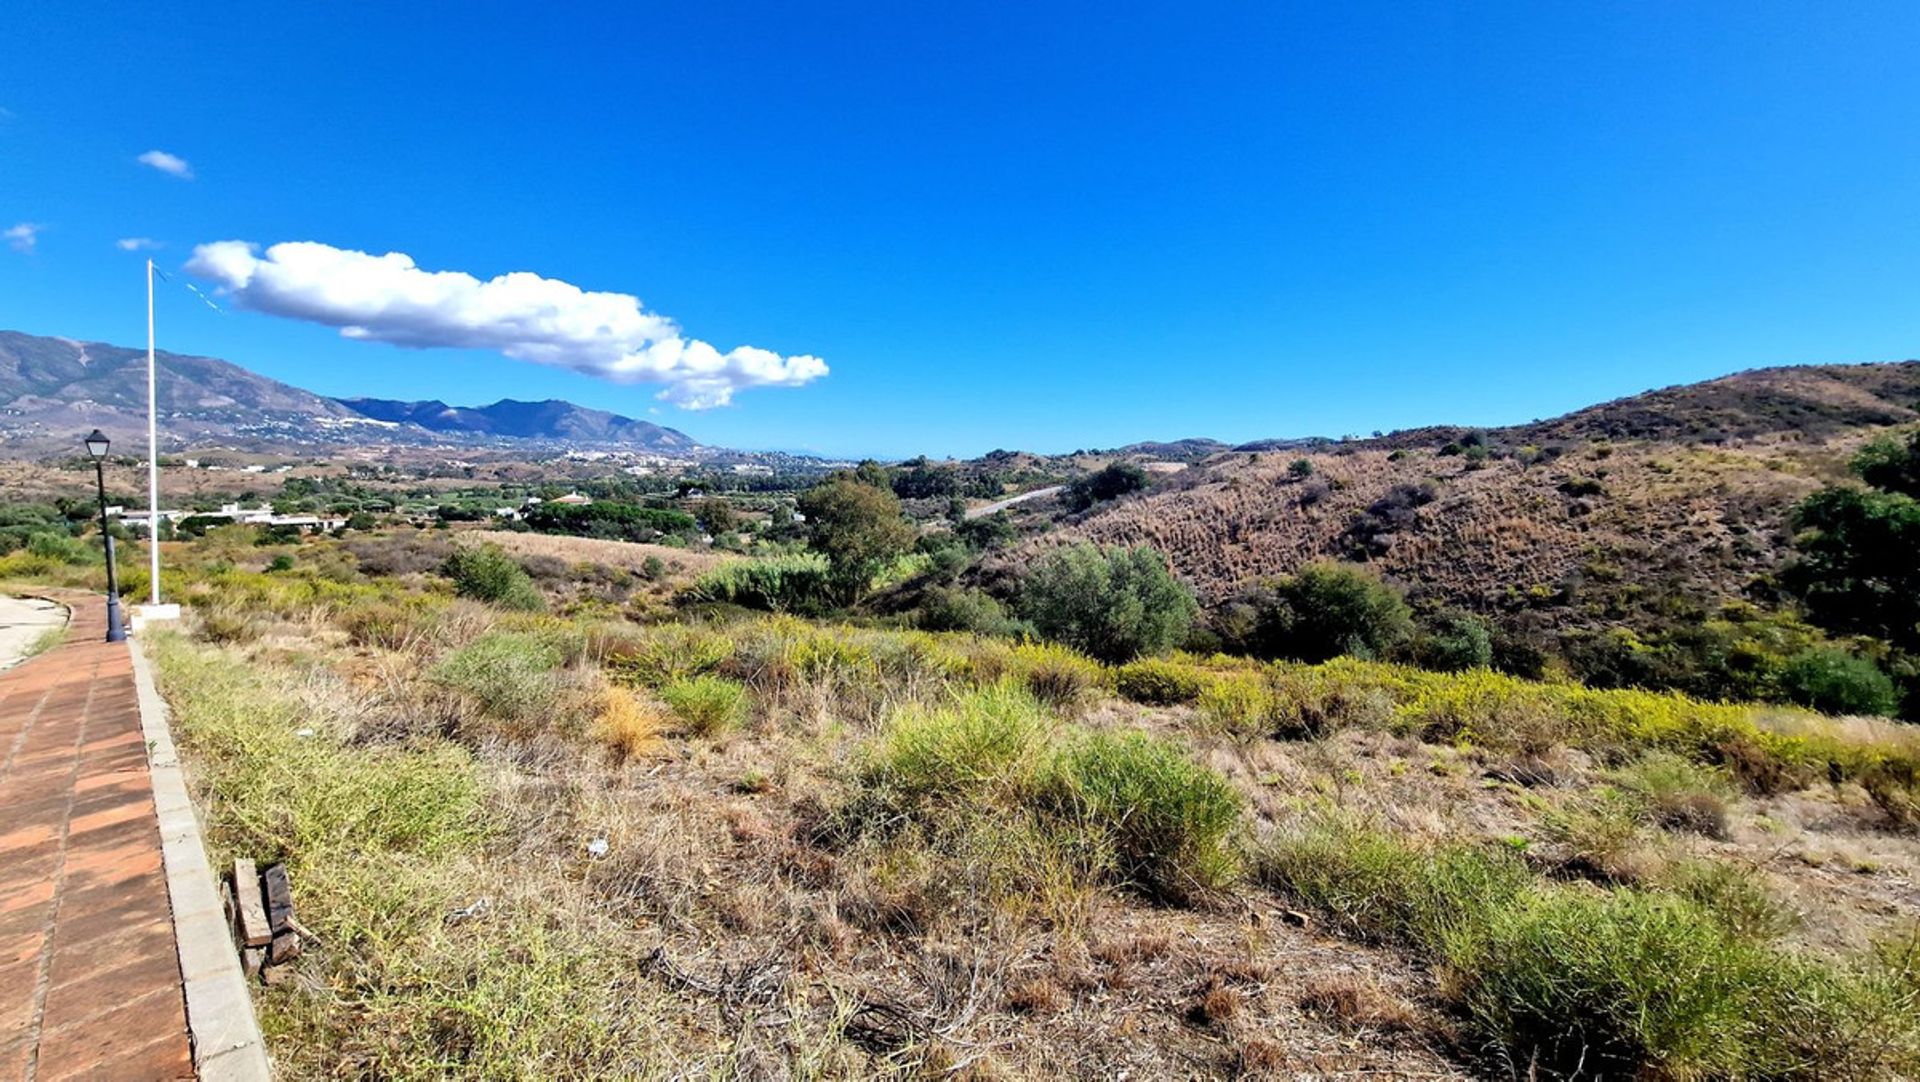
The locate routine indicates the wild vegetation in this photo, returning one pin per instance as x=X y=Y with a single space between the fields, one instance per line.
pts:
x=848 y=778
x=660 y=838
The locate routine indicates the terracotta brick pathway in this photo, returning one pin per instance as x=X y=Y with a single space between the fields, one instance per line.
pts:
x=89 y=971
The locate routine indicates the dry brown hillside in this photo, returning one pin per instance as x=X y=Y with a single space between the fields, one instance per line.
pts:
x=1646 y=503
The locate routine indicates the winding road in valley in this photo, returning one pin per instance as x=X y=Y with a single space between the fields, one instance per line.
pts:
x=1001 y=505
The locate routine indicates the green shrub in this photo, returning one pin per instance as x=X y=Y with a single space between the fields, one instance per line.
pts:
x=1836 y=682
x=1322 y=612
x=57 y=547
x=1113 y=481
x=485 y=573
x=953 y=609
x=1636 y=982
x=1169 y=822
x=706 y=705
x=984 y=745
x=512 y=676
x=1453 y=641
x=1378 y=888
x=1158 y=682
x=1733 y=895
x=798 y=583
x=1574 y=980
x=1113 y=604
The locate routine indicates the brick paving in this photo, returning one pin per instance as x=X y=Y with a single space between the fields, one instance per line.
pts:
x=89 y=971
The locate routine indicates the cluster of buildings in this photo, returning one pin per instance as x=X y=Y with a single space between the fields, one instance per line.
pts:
x=232 y=512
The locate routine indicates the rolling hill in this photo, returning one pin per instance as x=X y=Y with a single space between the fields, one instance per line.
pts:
x=1632 y=513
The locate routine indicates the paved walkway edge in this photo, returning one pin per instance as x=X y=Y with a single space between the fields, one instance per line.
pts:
x=226 y=1036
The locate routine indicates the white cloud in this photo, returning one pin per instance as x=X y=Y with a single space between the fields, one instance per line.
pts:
x=137 y=244
x=170 y=164
x=387 y=298
x=23 y=236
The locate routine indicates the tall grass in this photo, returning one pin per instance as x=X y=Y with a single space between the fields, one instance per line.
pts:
x=1169 y=821
x=383 y=844
x=1165 y=826
x=794 y=583
x=1562 y=979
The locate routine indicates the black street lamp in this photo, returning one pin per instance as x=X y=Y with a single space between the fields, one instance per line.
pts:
x=97 y=445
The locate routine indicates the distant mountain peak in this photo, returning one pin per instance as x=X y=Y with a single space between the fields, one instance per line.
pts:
x=547 y=419
x=52 y=389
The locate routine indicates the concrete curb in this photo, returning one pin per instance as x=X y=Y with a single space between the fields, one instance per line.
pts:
x=226 y=1036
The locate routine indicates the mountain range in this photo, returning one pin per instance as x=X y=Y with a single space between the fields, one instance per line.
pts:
x=53 y=390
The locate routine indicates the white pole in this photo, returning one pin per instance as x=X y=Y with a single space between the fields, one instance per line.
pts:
x=153 y=459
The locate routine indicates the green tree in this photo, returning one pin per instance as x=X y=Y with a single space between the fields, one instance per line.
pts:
x=1324 y=611
x=1891 y=466
x=1111 y=483
x=1836 y=682
x=1452 y=641
x=1112 y=603
x=1857 y=570
x=857 y=527
x=716 y=516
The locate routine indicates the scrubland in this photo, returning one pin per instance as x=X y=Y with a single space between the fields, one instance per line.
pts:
x=610 y=839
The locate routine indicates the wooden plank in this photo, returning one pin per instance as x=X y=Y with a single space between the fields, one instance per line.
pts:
x=286 y=947
x=279 y=899
x=254 y=928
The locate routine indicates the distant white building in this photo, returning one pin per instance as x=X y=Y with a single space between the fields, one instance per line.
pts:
x=253 y=516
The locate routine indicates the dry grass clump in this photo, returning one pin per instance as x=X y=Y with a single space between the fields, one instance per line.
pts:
x=1679 y=794
x=656 y=655
x=387 y=848
x=1039 y=995
x=628 y=727
x=1357 y=1001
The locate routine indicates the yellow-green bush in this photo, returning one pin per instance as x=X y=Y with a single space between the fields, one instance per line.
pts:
x=514 y=677
x=1240 y=704
x=1058 y=676
x=706 y=705
x=1159 y=681
x=981 y=746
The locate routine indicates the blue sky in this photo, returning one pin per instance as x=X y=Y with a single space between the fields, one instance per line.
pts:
x=1045 y=226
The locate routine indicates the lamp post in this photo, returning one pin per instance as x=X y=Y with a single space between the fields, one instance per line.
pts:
x=97 y=446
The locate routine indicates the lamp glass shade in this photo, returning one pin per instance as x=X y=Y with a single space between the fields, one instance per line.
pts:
x=97 y=444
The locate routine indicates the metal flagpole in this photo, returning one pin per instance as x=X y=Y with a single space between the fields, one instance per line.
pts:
x=153 y=459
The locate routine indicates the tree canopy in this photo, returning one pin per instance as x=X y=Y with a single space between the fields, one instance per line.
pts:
x=856 y=525
x=1112 y=603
